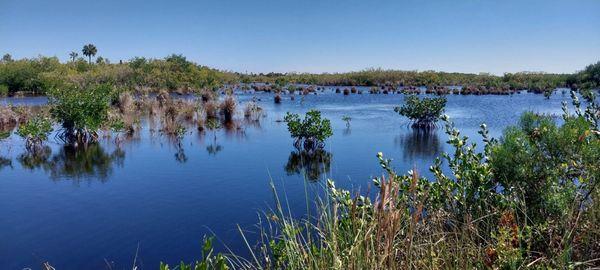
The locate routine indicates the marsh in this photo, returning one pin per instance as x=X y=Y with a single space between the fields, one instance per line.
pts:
x=163 y=196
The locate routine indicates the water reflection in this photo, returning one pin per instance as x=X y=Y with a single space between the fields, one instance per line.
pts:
x=180 y=155
x=32 y=160
x=90 y=161
x=5 y=162
x=214 y=148
x=311 y=164
x=419 y=143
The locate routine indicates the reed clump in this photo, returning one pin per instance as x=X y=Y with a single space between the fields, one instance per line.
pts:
x=252 y=111
x=211 y=109
x=228 y=107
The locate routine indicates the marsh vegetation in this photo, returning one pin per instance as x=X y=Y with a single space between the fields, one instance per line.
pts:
x=526 y=199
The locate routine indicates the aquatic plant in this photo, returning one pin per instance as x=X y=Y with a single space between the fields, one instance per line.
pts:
x=347 y=119
x=35 y=131
x=252 y=111
x=211 y=109
x=81 y=112
x=309 y=133
x=228 y=108
x=424 y=113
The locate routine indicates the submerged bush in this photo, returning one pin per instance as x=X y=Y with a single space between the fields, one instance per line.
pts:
x=81 y=112
x=309 y=133
x=424 y=113
x=35 y=131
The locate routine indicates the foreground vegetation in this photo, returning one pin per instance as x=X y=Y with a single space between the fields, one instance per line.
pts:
x=527 y=200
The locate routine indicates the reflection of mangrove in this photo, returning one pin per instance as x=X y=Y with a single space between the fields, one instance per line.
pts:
x=213 y=149
x=347 y=131
x=419 y=143
x=5 y=162
x=75 y=162
x=180 y=154
x=311 y=164
x=33 y=160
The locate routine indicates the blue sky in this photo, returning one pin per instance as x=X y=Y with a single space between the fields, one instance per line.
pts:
x=315 y=36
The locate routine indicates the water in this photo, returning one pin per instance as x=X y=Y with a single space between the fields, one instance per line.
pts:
x=86 y=209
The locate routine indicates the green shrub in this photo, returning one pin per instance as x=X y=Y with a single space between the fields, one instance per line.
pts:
x=3 y=90
x=35 y=131
x=552 y=170
x=424 y=113
x=81 y=112
x=209 y=260
x=310 y=132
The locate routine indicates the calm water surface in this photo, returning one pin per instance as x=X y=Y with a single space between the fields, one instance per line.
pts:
x=86 y=209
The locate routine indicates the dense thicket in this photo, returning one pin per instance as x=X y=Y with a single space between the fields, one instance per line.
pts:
x=175 y=72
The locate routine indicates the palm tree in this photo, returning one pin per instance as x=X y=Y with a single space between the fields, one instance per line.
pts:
x=73 y=55
x=89 y=51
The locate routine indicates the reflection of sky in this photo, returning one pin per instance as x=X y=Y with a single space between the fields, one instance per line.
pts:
x=166 y=206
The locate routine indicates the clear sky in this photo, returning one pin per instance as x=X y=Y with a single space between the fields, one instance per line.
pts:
x=315 y=36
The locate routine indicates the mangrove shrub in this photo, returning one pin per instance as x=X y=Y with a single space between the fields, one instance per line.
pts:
x=35 y=131
x=81 y=112
x=309 y=133
x=423 y=113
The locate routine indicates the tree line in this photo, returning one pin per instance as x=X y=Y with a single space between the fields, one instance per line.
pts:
x=176 y=73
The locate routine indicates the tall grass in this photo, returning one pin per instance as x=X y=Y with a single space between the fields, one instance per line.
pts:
x=228 y=108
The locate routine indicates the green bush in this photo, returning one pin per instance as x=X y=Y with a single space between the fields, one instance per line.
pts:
x=310 y=132
x=81 y=112
x=3 y=90
x=210 y=260
x=552 y=171
x=35 y=131
x=424 y=113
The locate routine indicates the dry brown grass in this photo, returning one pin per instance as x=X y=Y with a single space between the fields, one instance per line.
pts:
x=228 y=107
x=211 y=109
x=125 y=102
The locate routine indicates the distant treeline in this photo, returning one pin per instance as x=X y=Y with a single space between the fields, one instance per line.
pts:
x=588 y=78
x=176 y=73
